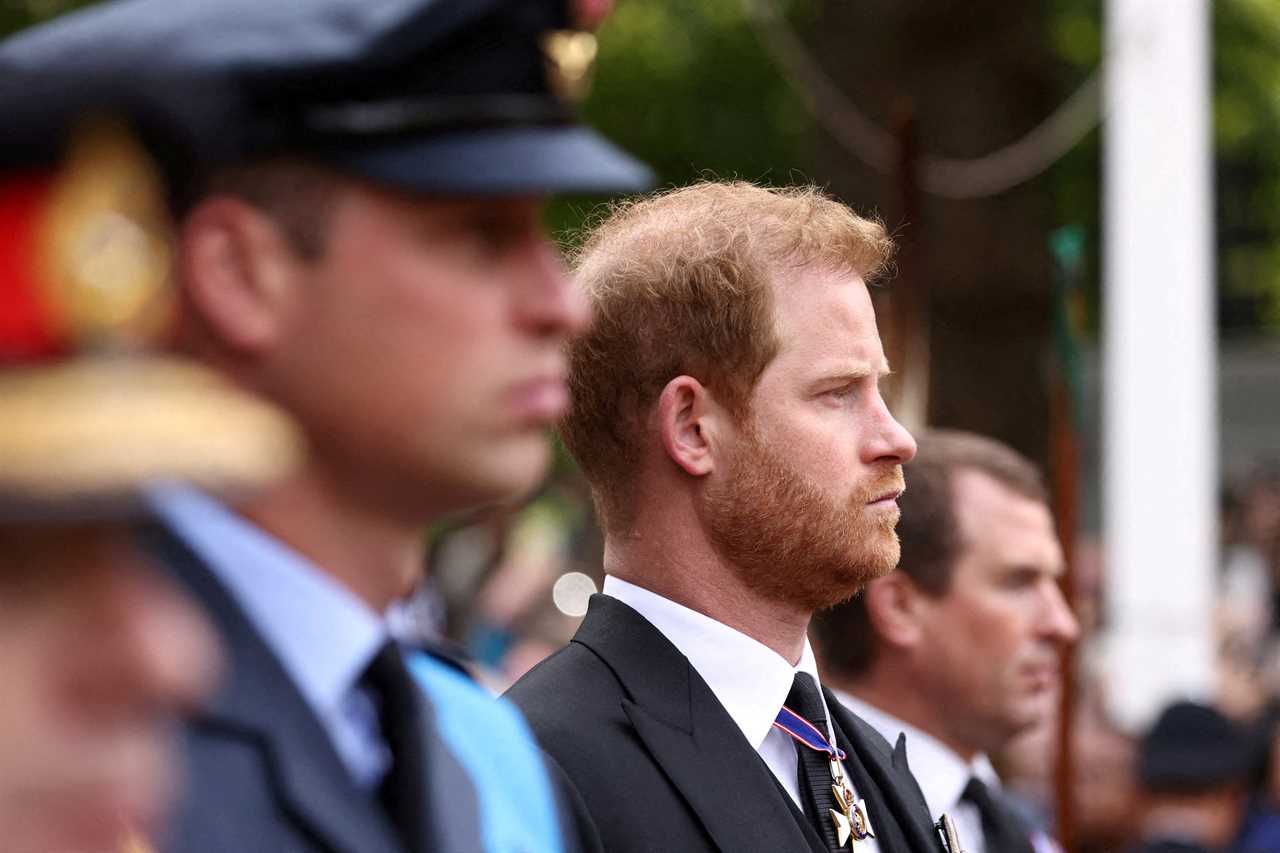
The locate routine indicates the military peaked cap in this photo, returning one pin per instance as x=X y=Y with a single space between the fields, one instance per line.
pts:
x=436 y=96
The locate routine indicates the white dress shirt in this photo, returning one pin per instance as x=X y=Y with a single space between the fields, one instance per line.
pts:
x=748 y=678
x=941 y=772
x=321 y=633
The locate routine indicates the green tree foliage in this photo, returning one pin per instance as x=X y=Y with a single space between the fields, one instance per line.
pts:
x=687 y=88
x=1246 y=131
x=1247 y=137
x=16 y=14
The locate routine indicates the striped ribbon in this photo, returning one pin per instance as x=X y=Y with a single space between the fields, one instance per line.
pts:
x=804 y=732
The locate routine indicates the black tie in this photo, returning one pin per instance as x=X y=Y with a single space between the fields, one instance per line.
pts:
x=402 y=793
x=813 y=767
x=1003 y=831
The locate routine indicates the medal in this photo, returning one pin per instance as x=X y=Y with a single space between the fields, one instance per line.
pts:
x=851 y=823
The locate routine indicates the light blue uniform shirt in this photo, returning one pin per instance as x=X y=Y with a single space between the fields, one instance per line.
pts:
x=323 y=635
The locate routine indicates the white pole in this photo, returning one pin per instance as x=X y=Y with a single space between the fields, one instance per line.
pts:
x=1159 y=461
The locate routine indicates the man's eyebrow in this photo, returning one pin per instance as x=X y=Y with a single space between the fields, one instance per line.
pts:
x=855 y=373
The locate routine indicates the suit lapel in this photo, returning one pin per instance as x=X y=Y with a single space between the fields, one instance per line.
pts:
x=886 y=775
x=446 y=822
x=259 y=705
x=690 y=735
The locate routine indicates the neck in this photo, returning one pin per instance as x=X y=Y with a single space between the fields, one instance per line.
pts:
x=902 y=698
x=378 y=558
x=684 y=568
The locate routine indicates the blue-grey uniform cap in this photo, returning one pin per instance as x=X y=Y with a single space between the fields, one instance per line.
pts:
x=436 y=96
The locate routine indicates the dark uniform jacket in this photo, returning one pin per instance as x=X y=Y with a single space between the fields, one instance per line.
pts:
x=262 y=775
x=662 y=766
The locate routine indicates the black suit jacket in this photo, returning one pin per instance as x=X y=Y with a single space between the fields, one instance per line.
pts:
x=262 y=773
x=661 y=765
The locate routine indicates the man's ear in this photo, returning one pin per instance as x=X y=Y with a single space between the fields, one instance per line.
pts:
x=894 y=606
x=238 y=271
x=688 y=418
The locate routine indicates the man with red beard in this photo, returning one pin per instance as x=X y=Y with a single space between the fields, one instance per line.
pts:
x=959 y=648
x=745 y=471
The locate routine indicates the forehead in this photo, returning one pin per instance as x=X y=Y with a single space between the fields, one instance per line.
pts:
x=825 y=319
x=364 y=201
x=999 y=525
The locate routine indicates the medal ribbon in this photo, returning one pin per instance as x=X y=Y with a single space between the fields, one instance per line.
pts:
x=804 y=732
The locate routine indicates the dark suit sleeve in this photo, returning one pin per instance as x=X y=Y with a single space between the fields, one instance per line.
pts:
x=579 y=830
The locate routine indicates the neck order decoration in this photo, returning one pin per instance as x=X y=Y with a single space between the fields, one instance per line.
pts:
x=851 y=823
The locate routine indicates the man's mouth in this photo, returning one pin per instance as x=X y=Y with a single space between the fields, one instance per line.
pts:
x=541 y=398
x=886 y=498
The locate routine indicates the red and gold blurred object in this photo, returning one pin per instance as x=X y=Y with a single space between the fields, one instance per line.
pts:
x=92 y=408
x=85 y=252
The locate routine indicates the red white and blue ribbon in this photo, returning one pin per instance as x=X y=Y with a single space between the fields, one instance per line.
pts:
x=804 y=732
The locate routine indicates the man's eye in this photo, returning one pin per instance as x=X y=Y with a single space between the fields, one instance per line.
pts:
x=508 y=230
x=492 y=236
x=1022 y=579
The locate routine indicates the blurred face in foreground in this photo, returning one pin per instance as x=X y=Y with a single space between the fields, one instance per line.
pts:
x=808 y=507
x=421 y=350
x=98 y=653
x=991 y=644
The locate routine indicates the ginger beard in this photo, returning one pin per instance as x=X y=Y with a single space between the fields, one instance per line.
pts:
x=789 y=541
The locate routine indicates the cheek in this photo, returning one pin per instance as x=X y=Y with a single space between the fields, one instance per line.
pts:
x=983 y=640
x=36 y=652
x=396 y=327
x=812 y=445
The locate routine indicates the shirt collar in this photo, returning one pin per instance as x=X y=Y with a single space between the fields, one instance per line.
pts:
x=324 y=636
x=941 y=772
x=748 y=678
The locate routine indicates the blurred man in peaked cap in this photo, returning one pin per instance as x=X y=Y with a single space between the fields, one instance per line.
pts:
x=359 y=186
x=99 y=650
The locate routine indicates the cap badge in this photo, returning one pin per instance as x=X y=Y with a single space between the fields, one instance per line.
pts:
x=570 y=60
x=105 y=242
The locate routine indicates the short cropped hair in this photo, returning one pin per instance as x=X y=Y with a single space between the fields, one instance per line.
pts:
x=298 y=194
x=681 y=283
x=929 y=531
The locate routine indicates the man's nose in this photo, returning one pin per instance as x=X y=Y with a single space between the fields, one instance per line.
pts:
x=892 y=442
x=1059 y=622
x=550 y=301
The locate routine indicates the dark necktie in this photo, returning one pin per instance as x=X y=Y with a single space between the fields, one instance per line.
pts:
x=813 y=767
x=402 y=792
x=1003 y=831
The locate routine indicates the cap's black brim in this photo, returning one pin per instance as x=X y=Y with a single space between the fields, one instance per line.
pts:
x=501 y=161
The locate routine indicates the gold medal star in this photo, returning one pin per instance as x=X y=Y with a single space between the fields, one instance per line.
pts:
x=842 y=795
x=843 y=828
x=861 y=823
